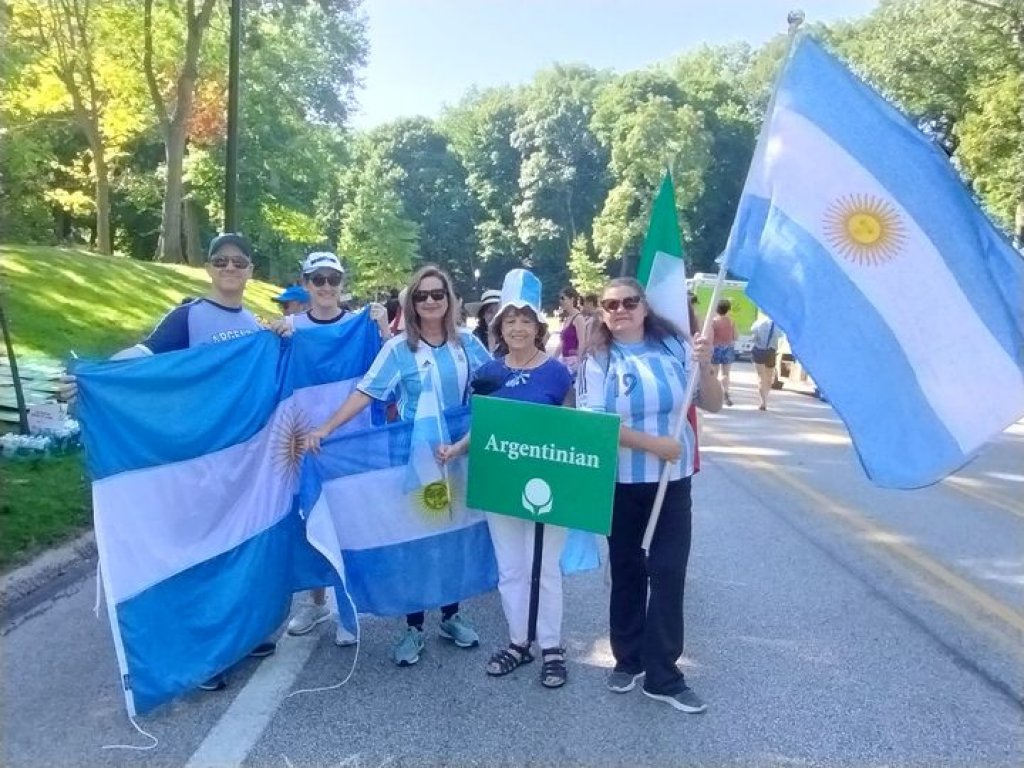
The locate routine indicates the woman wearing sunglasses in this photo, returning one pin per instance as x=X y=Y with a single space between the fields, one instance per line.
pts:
x=522 y=371
x=324 y=279
x=431 y=341
x=637 y=365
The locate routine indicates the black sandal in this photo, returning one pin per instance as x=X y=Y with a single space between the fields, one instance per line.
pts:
x=508 y=659
x=553 y=673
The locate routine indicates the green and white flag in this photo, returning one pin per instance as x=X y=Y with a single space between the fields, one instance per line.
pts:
x=662 y=271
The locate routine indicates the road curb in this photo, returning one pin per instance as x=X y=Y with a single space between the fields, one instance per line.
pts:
x=22 y=582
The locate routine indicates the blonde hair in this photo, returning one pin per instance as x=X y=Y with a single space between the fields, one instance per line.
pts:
x=413 y=330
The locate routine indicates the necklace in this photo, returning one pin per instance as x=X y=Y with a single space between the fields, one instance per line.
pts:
x=524 y=366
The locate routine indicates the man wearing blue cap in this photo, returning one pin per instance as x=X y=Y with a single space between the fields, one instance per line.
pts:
x=294 y=300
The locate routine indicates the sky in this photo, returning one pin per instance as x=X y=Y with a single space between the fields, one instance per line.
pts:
x=428 y=53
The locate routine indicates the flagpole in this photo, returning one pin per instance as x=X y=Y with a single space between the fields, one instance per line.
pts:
x=794 y=19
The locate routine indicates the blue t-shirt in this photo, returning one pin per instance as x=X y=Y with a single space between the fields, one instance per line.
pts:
x=200 y=322
x=546 y=384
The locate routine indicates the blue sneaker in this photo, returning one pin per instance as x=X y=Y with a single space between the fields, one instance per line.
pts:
x=409 y=647
x=459 y=632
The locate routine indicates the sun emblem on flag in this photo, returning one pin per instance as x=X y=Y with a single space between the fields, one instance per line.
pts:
x=434 y=500
x=865 y=229
x=287 y=441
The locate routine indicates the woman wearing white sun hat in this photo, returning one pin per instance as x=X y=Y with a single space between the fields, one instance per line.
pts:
x=523 y=371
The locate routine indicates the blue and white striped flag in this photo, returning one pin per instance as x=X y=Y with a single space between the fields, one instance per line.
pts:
x=429 y=430
x=896 y=292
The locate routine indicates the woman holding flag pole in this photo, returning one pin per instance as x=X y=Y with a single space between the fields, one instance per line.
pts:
x=638 y=365
x=430 y=346
x=524 y=372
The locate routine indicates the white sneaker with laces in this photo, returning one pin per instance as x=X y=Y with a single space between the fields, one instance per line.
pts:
x=307 y=617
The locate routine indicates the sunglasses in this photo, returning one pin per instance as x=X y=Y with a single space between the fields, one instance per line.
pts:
x=238 y=262
x=333 y=280
x=629 y=304
x=437 y=294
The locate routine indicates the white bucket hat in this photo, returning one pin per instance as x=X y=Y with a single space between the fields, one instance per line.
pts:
x=521 y=289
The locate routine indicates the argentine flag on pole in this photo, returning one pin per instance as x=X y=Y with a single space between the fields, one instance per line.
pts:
x=661 y=269
x=429 y=430
x=896 y=292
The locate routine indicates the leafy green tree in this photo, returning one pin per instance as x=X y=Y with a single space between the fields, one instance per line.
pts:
x=563 y=178
x=587 y=270
x=376 y=240
x=641 y=119
x=434 y=194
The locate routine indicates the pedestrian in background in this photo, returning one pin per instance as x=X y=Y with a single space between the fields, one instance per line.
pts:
x=723 y=353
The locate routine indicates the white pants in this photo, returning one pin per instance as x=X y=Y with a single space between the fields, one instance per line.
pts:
x=513 y=546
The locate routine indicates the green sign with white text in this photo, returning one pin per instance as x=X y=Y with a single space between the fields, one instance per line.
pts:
x=542 y=462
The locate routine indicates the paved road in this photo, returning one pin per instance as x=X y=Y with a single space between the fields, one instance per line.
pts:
x=828 y=623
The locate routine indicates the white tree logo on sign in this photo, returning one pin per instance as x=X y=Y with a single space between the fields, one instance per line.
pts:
x=537 y=497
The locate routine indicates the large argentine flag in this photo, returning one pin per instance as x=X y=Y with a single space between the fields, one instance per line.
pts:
x=399 y=551
x=195 y=457
x=193 y=471
x=895 y=291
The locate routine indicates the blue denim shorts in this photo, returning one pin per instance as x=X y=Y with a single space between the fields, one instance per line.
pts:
x=724 y=354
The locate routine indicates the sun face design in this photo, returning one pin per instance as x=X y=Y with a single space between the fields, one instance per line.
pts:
x=864 y=229
x=287 y=441
x=434 y=500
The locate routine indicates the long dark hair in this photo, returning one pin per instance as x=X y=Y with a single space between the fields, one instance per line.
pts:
x=656 y=327
x=413 y=331
x=501 y=347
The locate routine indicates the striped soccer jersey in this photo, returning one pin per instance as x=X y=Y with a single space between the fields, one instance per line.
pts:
x=399 y=370
x=645 y=384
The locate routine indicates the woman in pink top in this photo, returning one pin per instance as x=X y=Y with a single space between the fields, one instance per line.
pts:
x=723 y=332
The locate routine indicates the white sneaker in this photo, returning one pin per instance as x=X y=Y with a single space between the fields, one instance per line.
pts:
x=307 y=617
x=344 y=638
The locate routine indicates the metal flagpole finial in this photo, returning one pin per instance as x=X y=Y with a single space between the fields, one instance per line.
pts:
x=795 y=18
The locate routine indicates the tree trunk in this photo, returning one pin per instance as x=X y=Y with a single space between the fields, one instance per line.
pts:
x=1019 y=228
x=169 y=248
x=103 y=238
x=190 y=229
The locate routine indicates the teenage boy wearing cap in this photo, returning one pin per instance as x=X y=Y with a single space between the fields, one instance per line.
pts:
x=324 y=279
x=293 y=300
x=218 y=316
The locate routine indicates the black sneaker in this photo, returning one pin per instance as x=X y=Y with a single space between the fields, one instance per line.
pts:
x=685 y=701
x=263 y=649
x=623 y=682
x=215 y=683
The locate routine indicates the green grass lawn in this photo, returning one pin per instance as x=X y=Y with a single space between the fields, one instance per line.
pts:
x=42 y=503
x=62 y=299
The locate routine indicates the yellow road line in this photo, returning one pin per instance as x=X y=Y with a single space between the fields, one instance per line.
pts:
x=894 y=544
x=954 y=483
x=961 y=485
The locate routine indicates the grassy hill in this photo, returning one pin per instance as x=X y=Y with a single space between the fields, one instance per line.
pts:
x=62 y=299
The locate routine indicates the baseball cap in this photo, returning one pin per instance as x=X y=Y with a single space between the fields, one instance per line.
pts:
x=321 y=260
x=229 y=238
x=293 y=293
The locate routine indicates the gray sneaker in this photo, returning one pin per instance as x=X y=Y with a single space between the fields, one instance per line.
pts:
x=685 y=701
x=409 y=647
x=307 y=617
x=623 y=682
x=344 y=638
x=459 y=631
